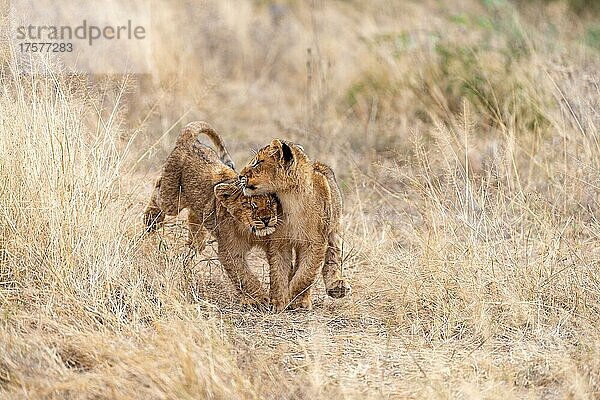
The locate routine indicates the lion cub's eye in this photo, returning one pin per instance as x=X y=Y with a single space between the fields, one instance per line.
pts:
x=256 y=163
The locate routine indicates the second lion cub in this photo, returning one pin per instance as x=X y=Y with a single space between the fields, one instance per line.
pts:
x=311 y=206
x=197 y=178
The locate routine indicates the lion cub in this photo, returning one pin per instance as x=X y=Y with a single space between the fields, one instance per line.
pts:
x=197 y=178
x=311 y=205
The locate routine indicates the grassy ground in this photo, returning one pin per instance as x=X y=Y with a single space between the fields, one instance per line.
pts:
x=465 y=138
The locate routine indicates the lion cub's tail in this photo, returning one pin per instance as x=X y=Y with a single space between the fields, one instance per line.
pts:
x=193 y=129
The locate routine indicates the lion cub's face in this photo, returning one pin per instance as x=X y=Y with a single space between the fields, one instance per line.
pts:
x=257 y=213
x=267 y=171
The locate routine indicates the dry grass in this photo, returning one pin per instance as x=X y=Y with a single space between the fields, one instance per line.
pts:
x=465 y=138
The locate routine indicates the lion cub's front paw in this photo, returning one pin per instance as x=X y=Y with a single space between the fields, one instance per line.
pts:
x=259 y=302
x=278 y=305
x=302 y=303
x=339 y=289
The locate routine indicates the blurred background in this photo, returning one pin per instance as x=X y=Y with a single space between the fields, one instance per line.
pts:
x=363 y=86
x=360 y=77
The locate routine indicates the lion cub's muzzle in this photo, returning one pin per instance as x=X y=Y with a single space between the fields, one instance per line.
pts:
x=265 y=226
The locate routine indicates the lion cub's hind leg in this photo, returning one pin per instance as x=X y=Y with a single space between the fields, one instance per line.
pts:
x=197 y=232
x=335 y=286
x=154 y=215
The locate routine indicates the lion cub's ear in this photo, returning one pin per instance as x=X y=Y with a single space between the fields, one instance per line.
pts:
x=223 y=191
x=282 y=151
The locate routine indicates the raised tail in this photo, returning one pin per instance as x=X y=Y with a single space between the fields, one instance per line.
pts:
x=193 y=129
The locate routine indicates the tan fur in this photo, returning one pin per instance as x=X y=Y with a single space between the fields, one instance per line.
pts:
x=335 y=285
x=311 y=209
x=195 y=177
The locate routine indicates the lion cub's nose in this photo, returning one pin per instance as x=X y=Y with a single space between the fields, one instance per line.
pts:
x=266 y=220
